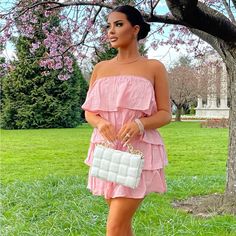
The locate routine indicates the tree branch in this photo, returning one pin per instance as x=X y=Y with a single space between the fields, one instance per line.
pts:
x=163 y=19
x=153 y=6
x=82 y=41
x=199 y=16
x=231 y=16
x=234 y=2
x=213 y=41
x=66 y=4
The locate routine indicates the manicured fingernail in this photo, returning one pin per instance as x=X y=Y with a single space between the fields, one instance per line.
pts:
x=125 y=144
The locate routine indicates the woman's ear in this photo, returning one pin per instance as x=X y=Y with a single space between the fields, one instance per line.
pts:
x=136 y=30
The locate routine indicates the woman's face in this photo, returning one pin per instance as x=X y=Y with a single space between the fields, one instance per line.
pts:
x=120 y=31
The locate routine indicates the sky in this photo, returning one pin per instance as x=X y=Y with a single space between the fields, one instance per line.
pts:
x=166 y=55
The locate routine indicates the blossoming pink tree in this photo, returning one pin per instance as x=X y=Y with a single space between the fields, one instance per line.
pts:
x=183 y=87
x=212 y=21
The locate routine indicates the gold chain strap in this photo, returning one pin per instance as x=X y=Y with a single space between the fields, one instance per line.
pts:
x=134 y=151
x=130 y=148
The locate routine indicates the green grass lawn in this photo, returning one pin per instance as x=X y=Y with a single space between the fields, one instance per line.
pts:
x=43 y=184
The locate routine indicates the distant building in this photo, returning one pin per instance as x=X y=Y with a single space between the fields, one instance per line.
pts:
x=214 y=108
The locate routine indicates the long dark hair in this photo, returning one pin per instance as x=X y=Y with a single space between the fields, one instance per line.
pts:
x=135 y=18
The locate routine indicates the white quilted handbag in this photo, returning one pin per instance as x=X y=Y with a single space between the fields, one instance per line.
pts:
x=117 y=166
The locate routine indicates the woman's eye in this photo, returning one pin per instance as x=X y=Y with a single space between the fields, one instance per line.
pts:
x=119 y=24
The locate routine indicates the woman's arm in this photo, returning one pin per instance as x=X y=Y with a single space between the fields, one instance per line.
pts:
x=105 y=128
x=163 y=114
x=162 y=94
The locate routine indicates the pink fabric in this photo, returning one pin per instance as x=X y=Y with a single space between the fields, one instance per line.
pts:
x=151 y=181
x=120 y=99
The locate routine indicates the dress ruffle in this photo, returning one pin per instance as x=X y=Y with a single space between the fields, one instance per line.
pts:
x=150 y=181
x=121 y=92
x=120 y=99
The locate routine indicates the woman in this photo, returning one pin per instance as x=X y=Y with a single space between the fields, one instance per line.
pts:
x=127 y=101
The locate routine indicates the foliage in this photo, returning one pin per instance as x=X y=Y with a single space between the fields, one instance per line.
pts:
x=105 y=52
x=183 y=85
x=4 y=67
x=215 y=123
x=2 y=76
x=192 y=110
x=33 y=101
x=210 y=73
x=183 y=61
x=82 y=89
x=34 y=97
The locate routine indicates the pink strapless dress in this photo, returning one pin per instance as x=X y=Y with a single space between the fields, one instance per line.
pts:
x=120 y=99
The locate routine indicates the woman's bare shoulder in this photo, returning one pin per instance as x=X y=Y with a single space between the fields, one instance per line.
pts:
x=158 y=70
x=101 y=67
x=157 y=67
x=102 y=64
x=155 y=63
x=97 y=70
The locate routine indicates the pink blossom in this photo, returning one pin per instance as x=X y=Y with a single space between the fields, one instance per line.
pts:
x=35 y=45
x=63 y=76
x=47 y=13
x=42 y=63
x=45 y=73
x=45 y=26
x=58 y=65
x=63 y=17
x=90 y=23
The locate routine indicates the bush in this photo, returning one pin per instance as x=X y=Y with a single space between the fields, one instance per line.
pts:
x=192 y=110
x=215 y=123
x=32 y=100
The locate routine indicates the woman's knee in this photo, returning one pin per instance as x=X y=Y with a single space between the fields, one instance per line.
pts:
x=121 y=212
x=118 y=228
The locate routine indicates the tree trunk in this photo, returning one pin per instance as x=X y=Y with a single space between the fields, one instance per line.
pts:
x=214 y=28
x=178 y=114
x=230 y=61
x=227 y=51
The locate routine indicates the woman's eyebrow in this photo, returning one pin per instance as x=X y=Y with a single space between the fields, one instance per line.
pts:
x=115 y=21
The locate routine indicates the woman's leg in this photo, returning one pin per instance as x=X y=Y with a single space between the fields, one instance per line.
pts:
x=108 y=201
x=121 y=211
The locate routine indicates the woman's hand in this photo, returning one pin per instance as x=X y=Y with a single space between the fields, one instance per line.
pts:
x=128 y=132
x=107 y=130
